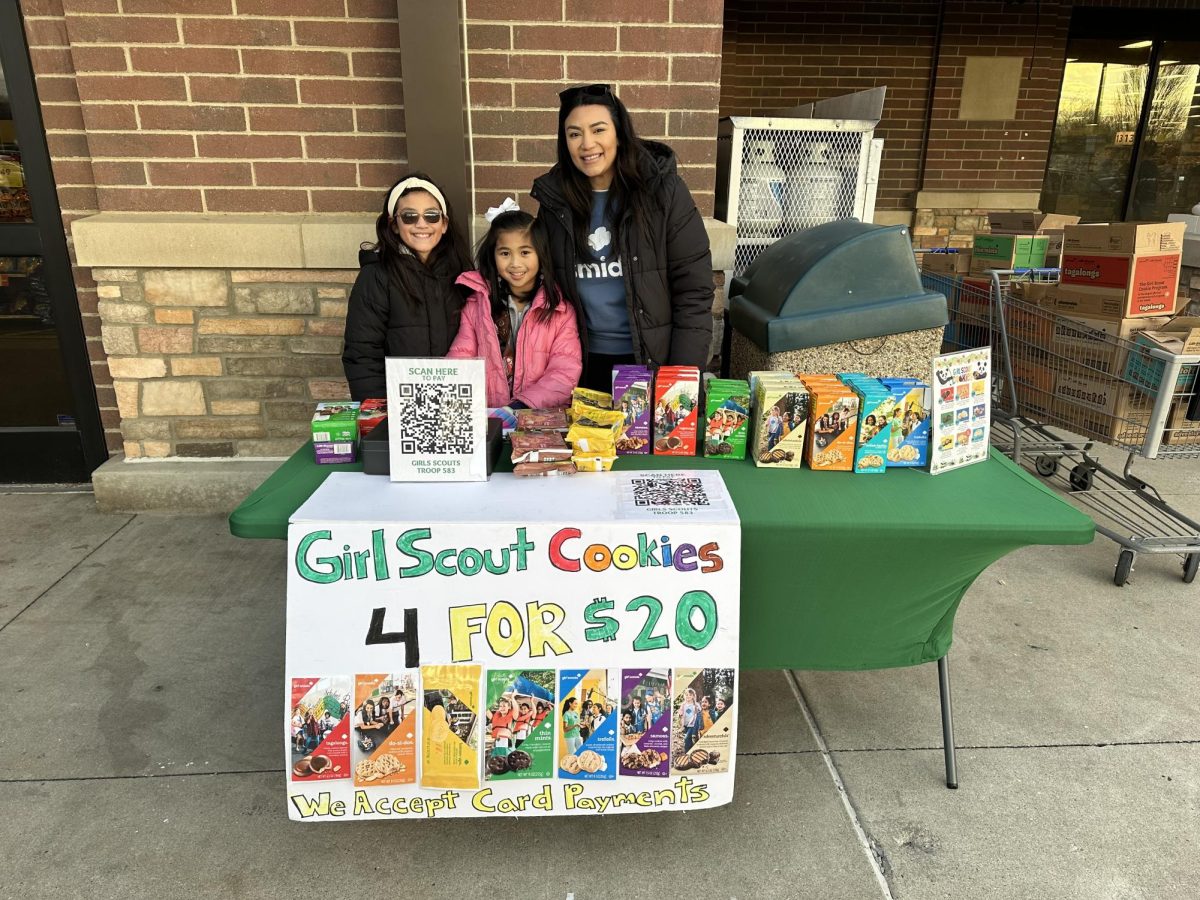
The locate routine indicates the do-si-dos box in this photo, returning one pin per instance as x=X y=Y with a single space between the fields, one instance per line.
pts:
x=1008 y=251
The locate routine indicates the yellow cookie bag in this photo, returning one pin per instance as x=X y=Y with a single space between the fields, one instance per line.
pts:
x=593 y=463
x=450 y=726
x=587 y=397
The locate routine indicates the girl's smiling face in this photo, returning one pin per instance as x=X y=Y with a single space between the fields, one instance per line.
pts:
x=422 y=235
x=592 y=142
x=517 y=261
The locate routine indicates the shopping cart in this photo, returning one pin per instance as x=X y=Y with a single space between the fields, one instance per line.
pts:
x=1062 y=386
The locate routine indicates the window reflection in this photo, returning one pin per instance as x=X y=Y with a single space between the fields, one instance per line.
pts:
x=14 y=199
x=1168 y=169
x=1098 y=111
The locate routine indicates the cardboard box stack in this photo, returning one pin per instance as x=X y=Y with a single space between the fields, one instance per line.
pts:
x=1049 y=225
x=1008 y=251
x=1120 y=271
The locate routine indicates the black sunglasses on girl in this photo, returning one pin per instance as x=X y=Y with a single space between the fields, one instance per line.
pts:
x=411 y=216
x=585 y=90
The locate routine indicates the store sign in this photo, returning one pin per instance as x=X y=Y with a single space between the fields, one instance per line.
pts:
x=519 y=647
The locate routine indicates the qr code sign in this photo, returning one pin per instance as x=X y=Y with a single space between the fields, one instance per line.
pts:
x=669 y=492
x=434 y=419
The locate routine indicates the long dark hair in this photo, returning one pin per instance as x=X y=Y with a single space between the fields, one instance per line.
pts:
x=401 y=264
x=485 y=260
x=627 y=195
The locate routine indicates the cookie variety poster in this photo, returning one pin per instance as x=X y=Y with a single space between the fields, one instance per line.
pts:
x=446 y=662
x=962 y=409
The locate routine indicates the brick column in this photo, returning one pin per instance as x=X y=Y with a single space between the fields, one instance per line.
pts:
x=663 y=57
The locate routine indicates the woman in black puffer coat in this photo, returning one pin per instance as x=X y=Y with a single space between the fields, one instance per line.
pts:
x=404 y=302
x=628 y=244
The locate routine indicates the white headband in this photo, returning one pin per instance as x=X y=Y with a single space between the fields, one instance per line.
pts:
x=409 y=184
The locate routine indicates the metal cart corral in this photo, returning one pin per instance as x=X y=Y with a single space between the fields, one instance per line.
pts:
x=1063 y=385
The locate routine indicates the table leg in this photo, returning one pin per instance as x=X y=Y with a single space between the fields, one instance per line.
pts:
x=947 y=721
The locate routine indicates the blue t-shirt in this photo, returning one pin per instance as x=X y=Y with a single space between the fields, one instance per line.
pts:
x=601 y=285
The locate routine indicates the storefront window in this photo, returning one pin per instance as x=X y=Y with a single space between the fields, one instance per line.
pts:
x=14 y=199
x=1168 y=168
x=36 y=392
x=1103 y=87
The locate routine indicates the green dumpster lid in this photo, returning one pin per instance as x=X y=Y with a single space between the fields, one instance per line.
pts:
x=841 y=281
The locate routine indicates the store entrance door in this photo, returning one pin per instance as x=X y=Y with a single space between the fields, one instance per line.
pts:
x=50 y=429
x=1126 y=142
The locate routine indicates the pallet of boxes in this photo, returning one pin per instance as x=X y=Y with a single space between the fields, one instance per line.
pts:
x=1117 y=281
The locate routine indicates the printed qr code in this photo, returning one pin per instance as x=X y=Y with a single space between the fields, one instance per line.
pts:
x=669 y=492
x=434 y=419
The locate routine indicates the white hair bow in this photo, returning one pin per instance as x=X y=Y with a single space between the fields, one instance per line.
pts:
x=509 y=205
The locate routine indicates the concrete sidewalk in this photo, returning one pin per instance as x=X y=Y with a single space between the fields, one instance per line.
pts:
x=141 y=659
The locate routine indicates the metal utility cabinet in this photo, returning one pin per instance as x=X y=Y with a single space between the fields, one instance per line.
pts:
x=776 y=176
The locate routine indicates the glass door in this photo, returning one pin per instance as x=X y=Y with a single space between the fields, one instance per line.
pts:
x=50 y=428
x=1168 y=169
x=1104 y=84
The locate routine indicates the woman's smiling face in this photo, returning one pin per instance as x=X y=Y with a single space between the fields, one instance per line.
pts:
x=592 y=142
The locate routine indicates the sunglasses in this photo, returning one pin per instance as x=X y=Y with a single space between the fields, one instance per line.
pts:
x=411 y=216
x=585 y=90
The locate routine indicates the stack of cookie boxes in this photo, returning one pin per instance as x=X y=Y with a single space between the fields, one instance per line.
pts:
x=839 y=423
x=1117 y=280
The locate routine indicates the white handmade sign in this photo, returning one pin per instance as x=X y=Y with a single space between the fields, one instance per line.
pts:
x=544 y=647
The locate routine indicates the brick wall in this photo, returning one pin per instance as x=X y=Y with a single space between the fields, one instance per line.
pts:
x=783 y=53
x=1005 y=155
x=288 y=106
x=663 y=56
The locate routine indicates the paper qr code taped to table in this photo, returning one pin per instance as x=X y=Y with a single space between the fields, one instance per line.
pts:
x=668 y=491
x=433 y=419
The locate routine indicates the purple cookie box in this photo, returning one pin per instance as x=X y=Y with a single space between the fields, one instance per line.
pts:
x=657 y=736
x=329 y=453
x=624 y=378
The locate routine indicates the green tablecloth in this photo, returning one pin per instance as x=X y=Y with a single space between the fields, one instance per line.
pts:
x=839 y=571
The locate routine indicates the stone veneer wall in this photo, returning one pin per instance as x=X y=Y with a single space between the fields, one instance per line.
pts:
x=215 y=363
x=221 y=363
x=954 y=227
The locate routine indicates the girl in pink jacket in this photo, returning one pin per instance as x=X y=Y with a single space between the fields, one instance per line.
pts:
x=517 y=320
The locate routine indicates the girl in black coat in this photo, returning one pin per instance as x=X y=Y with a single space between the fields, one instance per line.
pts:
x=404 y=302
x=627 y=242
